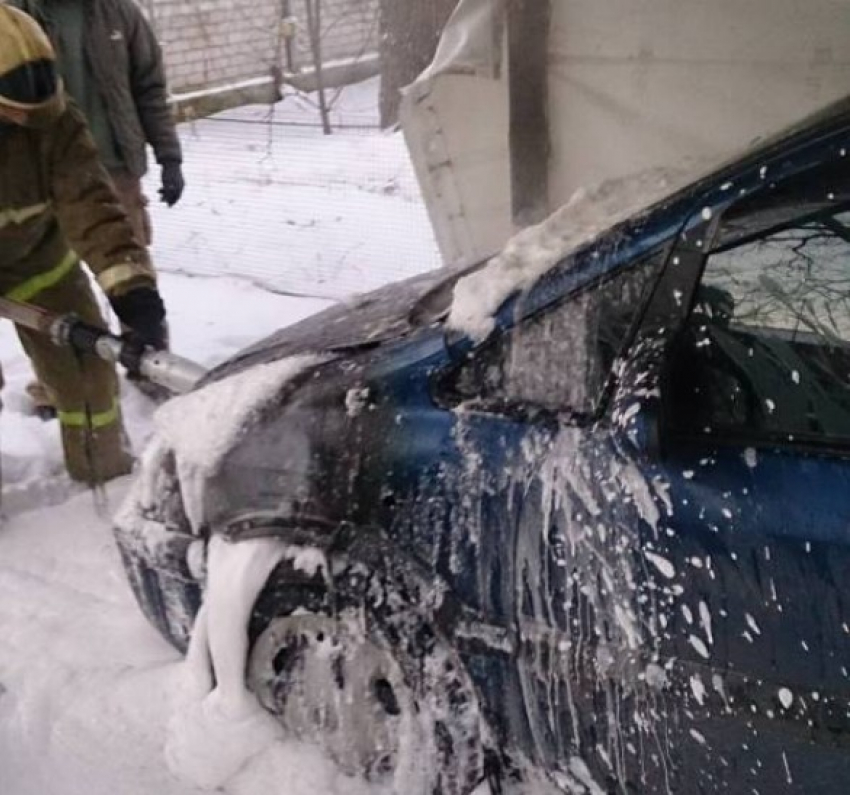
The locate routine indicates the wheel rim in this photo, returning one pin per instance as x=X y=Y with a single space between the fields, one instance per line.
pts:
x=331 y=684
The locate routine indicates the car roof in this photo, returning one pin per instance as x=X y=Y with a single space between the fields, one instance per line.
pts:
x=660 y=218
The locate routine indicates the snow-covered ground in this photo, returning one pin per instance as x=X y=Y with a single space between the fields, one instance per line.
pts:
x=88 y=689
x=272 y=199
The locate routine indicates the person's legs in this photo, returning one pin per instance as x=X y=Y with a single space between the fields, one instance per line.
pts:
x=42 y=402
x=129 y=190
x=84 y=388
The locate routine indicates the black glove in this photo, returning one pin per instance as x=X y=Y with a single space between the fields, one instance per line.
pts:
x=172 y=183
x=143 y=313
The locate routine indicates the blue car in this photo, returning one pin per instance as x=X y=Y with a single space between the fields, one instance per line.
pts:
x=603 y=548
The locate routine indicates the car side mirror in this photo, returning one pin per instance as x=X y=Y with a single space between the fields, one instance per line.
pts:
x=638 y=429
x=458 y=345
x=637 y=403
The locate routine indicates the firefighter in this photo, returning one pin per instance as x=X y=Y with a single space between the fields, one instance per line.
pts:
x=58 y=206
x=112 y=67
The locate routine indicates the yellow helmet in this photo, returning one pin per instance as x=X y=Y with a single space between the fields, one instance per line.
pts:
x=28 y=76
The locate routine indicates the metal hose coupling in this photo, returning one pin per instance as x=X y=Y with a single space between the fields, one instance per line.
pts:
x=174 y=373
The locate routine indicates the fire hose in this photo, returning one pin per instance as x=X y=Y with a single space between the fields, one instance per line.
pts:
x=172 y=372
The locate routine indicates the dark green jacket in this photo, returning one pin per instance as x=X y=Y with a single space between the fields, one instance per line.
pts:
x=126 y=61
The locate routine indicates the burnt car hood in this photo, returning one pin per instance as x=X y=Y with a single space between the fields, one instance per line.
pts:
x=389 y=313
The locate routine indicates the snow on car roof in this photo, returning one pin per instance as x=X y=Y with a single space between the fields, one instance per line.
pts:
x=536 y=249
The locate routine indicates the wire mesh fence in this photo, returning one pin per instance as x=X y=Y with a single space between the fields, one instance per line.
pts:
x=272 y=200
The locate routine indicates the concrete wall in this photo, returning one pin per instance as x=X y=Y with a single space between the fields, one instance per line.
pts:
x=221 y=53
x=636 y=84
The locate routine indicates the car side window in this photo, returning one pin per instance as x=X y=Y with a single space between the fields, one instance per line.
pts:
x=766 y=351
x=560 y=358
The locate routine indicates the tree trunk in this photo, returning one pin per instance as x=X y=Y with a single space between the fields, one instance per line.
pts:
x=314 y=26
x=410 y=30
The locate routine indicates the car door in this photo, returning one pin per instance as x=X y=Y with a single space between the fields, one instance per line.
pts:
x=547 y=374
x=755 y=430
x=681 y=581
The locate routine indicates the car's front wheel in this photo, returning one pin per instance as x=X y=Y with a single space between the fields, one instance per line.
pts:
x=357 y=668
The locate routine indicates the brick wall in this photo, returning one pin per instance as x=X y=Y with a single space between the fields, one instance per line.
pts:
x=350 y=30
x=213 y=44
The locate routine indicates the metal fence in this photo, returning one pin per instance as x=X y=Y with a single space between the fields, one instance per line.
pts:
x=273 y=200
